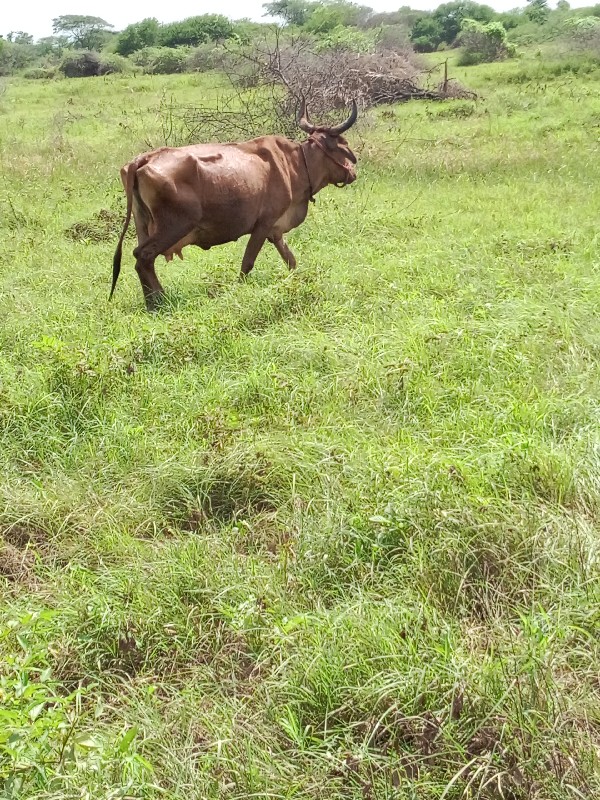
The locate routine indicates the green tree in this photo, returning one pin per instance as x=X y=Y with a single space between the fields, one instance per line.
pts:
x=86 y=33
x=196 y=30
x=427 y=34
x=404 y=16
x=330 y=15
x=52 y=45
x=19 y=37
x=14 y=57
x=537 y=11
x=292 y=12
x=451 y=15
x=510 y=19
x=141 y=34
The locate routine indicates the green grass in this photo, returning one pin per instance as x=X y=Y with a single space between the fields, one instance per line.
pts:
x=326 y=535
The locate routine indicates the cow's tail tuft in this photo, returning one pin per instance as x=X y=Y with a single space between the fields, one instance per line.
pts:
x=129 y=181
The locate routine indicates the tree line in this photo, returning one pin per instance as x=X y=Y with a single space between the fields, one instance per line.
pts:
x=163 y=47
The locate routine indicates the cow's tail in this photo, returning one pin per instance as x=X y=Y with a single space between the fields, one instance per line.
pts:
x=129 y=182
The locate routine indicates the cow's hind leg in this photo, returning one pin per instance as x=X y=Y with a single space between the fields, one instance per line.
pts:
x=169 y=234
x=153 y=291
x=284 y=251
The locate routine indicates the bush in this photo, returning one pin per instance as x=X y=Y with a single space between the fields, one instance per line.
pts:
x=393 y=38
x=39 y=73
x=426 y=34
x=84 y=64
x=342 y=38
x=15 y=57
x=205 y=58
x=88 y=64
x=162 y=60
x=584 y=33
x=483 y=42
x=113 y=63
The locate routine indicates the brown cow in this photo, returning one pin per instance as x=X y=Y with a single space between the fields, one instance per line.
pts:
x=209 y=194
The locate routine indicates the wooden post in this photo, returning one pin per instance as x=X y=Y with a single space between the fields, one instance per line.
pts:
x=445 y=87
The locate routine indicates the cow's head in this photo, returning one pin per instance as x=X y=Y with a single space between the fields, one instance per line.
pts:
x=338 y=166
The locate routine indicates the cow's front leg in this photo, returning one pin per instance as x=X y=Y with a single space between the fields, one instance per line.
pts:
x=253 y=248
x=284 y=251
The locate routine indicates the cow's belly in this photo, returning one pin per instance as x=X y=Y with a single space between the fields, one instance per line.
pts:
x=210 y=234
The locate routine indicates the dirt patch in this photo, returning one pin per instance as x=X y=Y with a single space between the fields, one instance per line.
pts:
x=104 y=225
x=18 y=547
x=16 y=565
x=534 y=247
x=228 y=495
x=38 y=551
x=23 y=536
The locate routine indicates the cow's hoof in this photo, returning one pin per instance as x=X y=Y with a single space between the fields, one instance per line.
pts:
x=154 y=302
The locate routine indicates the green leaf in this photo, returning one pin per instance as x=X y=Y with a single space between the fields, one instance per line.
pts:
x=128 y=739
x=45 y=675
x=36 y=711
x=87 y=742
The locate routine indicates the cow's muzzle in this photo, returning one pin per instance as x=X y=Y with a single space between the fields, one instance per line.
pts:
x=350 y=176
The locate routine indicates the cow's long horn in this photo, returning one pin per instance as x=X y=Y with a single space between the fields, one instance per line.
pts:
x=303 y=121
x=339 y=129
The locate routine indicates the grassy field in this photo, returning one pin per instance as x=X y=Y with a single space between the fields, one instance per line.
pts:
x=324 y=535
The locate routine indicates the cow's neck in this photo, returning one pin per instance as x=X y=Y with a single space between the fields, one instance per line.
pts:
x=311 y=169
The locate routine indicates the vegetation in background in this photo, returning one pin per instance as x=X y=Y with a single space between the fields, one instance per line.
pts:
x=328 y=25
x=483 y=42
x=83 y=32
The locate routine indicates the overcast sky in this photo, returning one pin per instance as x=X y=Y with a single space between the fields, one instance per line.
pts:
x=35 y=16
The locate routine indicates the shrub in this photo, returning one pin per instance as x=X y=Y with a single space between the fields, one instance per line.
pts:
x=162 y=60
x=88 y=64
x=342 y=38
x=393 y=38
x=584 y=33
x=84 y=64
x=483 y=42
x=205 y=58
x=113 y=63
x=426 y=34
x=39 y=73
